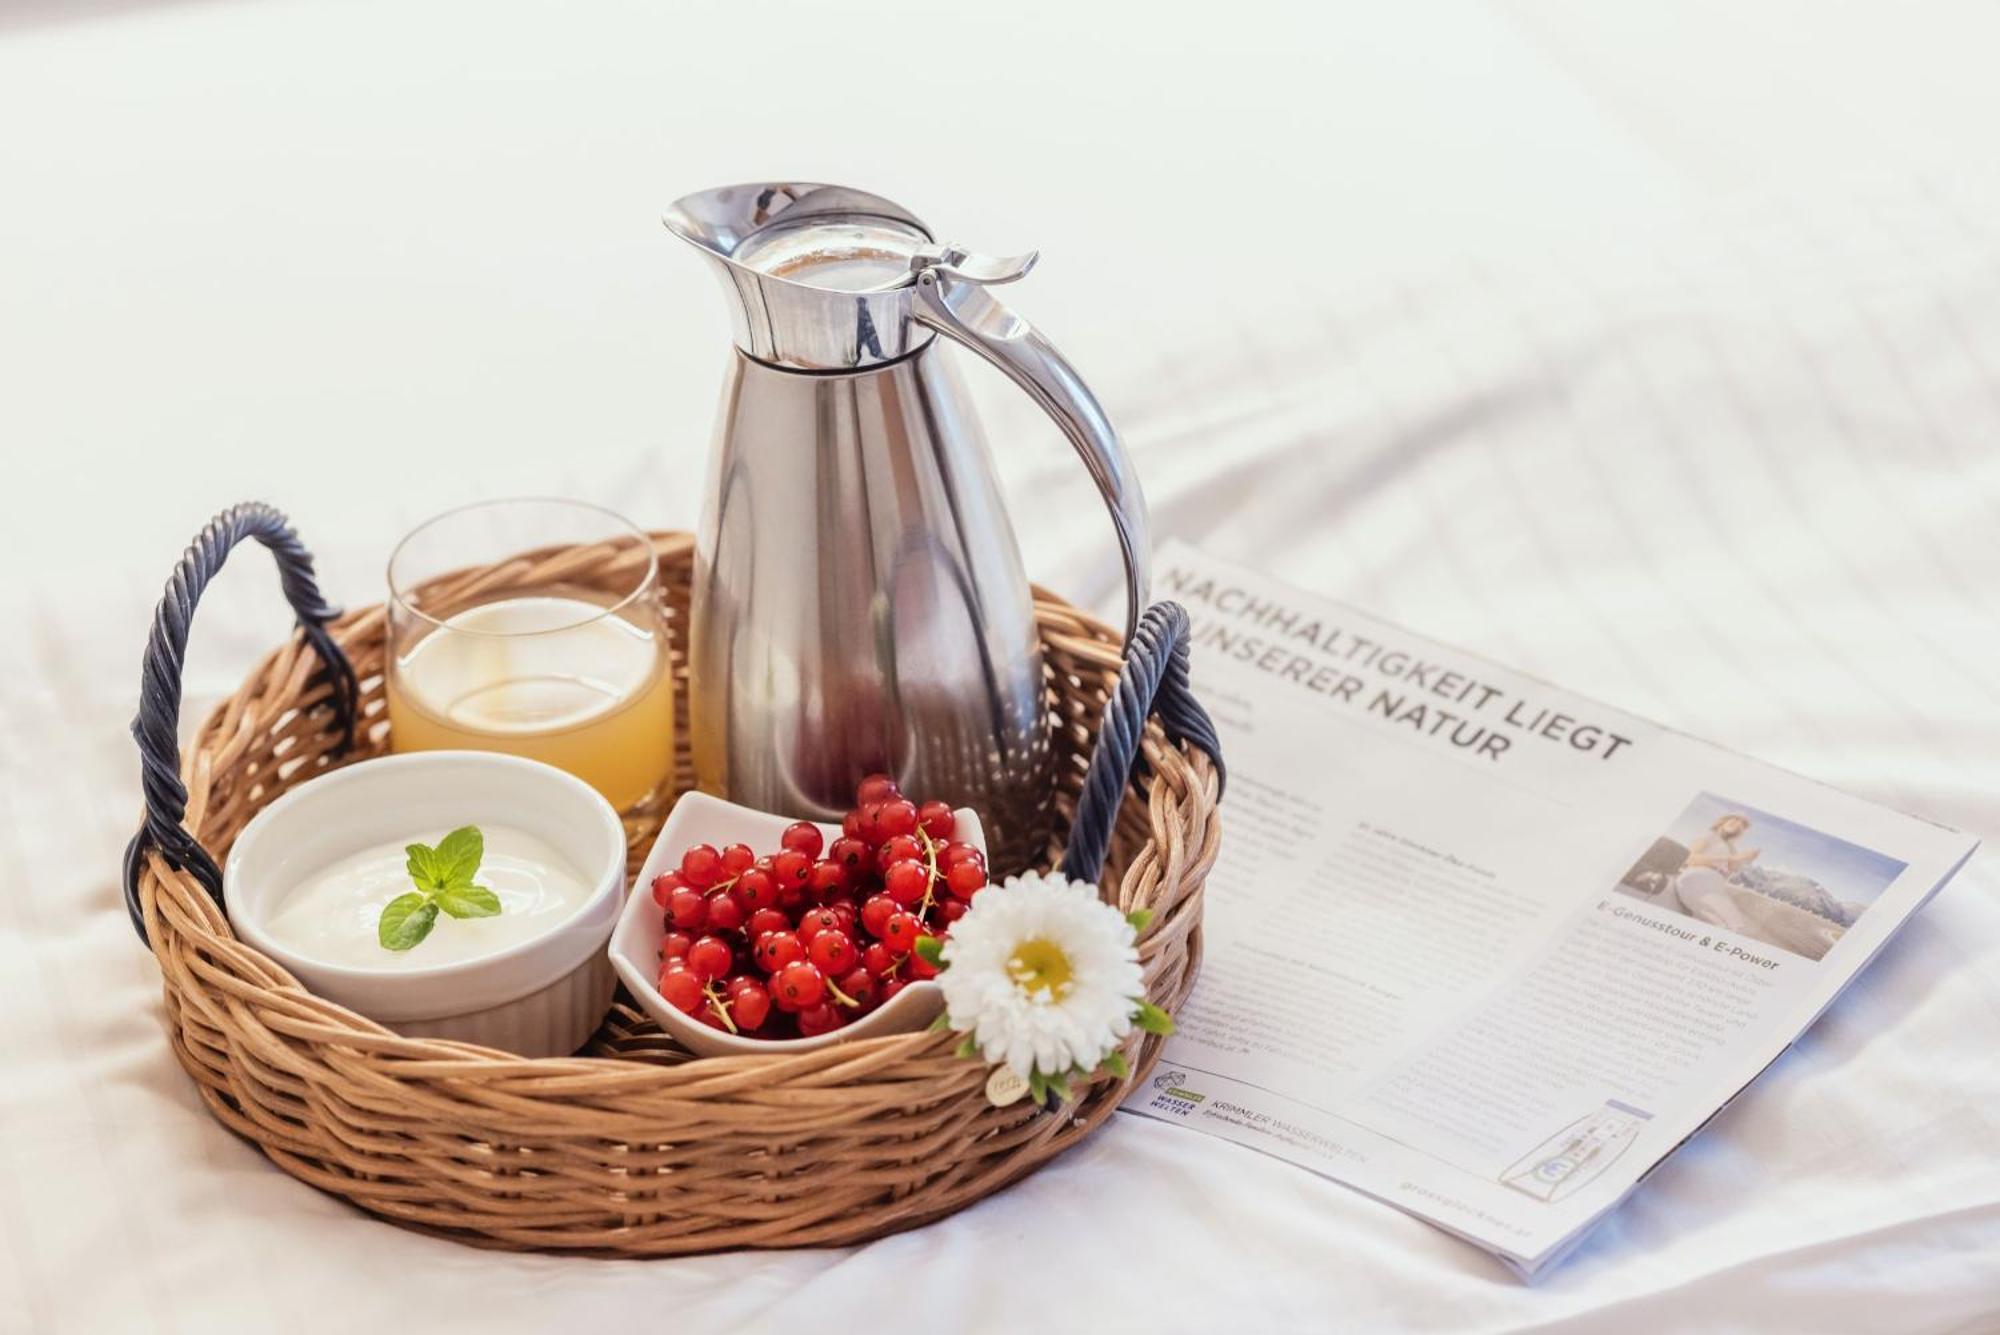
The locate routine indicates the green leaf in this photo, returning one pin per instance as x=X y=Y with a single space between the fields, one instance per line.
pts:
x=1114 y=1062
x=943 y=1021
x=930 y=950
x=1059 y=1086
x=458 y=855
x=1038 y=1086
x=1139 y=918
x=1153 y=1020
x=968 y=1047
x=468 y=901
x=406 y=920
x=423 y=866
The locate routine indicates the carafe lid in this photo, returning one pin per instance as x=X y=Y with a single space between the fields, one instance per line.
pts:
x=834 y=254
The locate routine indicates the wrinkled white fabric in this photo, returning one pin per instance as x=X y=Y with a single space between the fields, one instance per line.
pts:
x=1650 y=348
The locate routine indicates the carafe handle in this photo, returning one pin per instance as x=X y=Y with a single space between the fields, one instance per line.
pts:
x=952 y=299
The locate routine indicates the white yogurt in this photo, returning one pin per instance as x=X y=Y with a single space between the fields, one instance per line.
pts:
x=332 y=915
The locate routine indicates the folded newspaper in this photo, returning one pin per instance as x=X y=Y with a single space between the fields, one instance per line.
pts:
x=1532 y=944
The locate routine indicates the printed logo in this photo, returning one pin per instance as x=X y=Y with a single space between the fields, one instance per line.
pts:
x=1173 y=1094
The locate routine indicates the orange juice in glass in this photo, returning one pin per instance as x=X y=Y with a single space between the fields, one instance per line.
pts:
x=535 y=627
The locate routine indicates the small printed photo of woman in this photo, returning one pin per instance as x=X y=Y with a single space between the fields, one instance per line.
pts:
x=1759 y=876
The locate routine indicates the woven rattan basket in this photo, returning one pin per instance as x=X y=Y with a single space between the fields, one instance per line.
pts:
x=632 y=1147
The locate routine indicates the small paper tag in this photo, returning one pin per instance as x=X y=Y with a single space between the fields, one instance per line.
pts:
x=1004 y=1087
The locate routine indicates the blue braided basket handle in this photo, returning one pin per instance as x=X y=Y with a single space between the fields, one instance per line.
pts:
x=1153 y=681
x=157 y=728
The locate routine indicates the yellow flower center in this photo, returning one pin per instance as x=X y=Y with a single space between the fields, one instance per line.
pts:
x=1039 y=965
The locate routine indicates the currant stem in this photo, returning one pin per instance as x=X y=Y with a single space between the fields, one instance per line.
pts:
x=930 y=857
x=720 y=1007
x=839 y=995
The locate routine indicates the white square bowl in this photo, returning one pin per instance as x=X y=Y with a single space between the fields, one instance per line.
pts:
x=698 y=818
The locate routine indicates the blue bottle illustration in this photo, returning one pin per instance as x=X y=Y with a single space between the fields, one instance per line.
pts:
x=1577 y=1153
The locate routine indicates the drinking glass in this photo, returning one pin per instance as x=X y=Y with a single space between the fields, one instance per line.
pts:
x=535 y=627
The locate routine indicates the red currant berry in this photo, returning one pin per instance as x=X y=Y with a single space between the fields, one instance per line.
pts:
x=765 y=921
x=868 y=829
x=688 y=908
x=833 y=951
x=859 y=987
x=738 y=858
x=888 y=988
x=701 y=866
x=954 y=853
x=803 y=837
x=752 y=1006
x=906 y=882
x=710 y=958
x=755 y=890
x=725 y=914
x=823 y=1018
x=949 y=911
x=850 y=825
x=790 y=870
x=664 y=886
x=775 y=950
x=921 y=967
x=876 y=788
x=736 y=982
x=937 y=820
x=966 y=879
x=853 y=855
x=800 y=984
x=682 y=990
x=675 y=946
x=901 y=932
x=879 y=960
x=814 y=921
x=875 y=914
x=826 y=880
x=899 y=817
x=900 y=848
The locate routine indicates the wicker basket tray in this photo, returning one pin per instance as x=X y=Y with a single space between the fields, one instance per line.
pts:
x=632 y=1147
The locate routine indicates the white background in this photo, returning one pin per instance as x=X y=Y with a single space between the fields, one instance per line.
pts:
x=1651 y=347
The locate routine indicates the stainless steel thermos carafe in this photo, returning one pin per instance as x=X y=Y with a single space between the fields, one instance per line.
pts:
x=859 y=602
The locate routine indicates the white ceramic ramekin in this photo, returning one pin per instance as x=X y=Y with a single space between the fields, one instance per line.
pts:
x=541 y=998
x=698 y=818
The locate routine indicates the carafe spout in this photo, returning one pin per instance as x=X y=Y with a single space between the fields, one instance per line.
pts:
x=817 y=276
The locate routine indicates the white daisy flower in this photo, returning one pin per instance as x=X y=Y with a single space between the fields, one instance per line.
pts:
x=1042 y=974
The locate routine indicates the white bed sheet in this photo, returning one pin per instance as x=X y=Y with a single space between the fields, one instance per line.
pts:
x=1657 y=353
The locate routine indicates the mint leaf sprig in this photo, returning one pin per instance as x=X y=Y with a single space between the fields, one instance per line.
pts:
x=443 y=877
